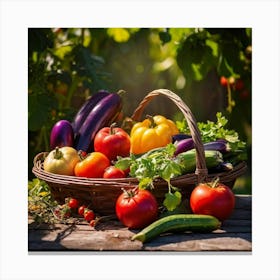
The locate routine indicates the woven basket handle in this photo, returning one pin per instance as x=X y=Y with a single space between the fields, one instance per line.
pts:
x=201 y=168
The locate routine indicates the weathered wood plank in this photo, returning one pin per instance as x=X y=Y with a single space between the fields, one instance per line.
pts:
x=243 y=202
x=234 y=235
x=196 y=242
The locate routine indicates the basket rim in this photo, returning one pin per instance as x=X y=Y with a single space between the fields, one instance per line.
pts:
x=191 y=178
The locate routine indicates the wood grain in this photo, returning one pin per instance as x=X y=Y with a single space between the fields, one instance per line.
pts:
x=235 y=234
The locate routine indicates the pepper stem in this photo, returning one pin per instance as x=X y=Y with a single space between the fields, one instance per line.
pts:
x=151 y=119
x=57 y=153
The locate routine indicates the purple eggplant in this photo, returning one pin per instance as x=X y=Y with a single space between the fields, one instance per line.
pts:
x=221 y=167
x=180 y=136
x=101 y=115
x=86 y=109
x=62 y=134
x=183 y=146
x=220 y=145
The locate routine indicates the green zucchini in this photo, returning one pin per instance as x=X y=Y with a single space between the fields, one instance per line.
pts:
x=187 y=160
x=178 y=223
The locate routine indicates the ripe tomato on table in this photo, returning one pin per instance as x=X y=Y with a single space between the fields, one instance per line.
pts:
x=136 y=208
x=89 y=215
x=214 y=199
x=73 y=203
x=92 y=166
x=112 y=141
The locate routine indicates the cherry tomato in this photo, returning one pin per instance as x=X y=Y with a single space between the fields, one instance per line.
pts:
x=92 y=166
x=239 y=84
x=81 y=210
x=136 y=208
x=113 y=172
x=112 y=141
x=223 y=81
x=214 y=199
x=88 y=215
x=73 y=203
x=92 y=223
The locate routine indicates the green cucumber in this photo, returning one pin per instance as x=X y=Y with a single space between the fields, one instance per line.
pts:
x=178 y=223
x=187 y=160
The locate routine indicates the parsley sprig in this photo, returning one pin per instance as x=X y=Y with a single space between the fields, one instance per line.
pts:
x=211 y=131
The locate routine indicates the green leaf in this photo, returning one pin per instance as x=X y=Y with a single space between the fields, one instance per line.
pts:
x=62 y=51
x=195 y=57
x=39 y=107
x=123 y=163
x=170 y=149
x=120 y=35
x=172 y=200
x=145 y=182
x=164 y=36
x=170 y=170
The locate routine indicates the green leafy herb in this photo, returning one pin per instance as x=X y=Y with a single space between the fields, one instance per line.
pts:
x=172 y=200
x=211 y=131
x=152 y=165
x=40 y=202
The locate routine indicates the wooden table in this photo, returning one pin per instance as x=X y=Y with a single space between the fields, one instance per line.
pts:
x=235 y=234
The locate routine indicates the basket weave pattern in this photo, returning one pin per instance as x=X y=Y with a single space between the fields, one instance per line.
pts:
x=101 y=194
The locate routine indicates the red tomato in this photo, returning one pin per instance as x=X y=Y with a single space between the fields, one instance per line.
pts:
x=88 y=215
x=223 y=81
x=92 y=223
x=73 y=203
x=136 y=208
x=113 y=172
x=81 y=210
x=92 y=166
x=239 y=84
x=214 y=199
x=112 y=141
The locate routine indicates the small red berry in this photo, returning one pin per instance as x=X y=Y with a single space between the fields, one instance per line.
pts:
x=239 y=85
x=223 y=81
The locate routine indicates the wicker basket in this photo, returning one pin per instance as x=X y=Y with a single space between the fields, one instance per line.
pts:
x=101 y=194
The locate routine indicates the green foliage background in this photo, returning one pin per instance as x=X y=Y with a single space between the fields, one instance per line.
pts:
x=66 y=65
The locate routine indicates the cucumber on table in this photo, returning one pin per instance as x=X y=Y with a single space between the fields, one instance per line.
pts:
x=178 y=223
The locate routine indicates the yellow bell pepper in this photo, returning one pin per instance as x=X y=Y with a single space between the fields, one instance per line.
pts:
x=153 y=132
